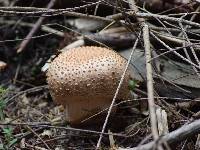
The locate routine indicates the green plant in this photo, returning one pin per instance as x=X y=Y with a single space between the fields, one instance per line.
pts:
x=8 y=131
x=9 y=138
x=2 y=106
x=2 y=102
x=2 y=91
x=132 y=84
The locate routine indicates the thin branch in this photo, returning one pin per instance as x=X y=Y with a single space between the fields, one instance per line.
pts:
x=150 y=89
x=191 y=48
x=24 y=43
x=45 y=28
x=191 y=19
x=54 y=12
x=161 y=17
x=36 y=10
x=39 y=137
x=173 y=137
x=176 y=53
x=47 y=125
x=115 y=96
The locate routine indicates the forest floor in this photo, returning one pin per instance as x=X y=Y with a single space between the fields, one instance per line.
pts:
x=30 y=119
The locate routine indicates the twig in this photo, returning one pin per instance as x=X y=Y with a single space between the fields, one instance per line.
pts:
x=34 y=147
x=173 y=137
x=115 y=96
x=34 y=29
x=35 y=10
x=191 y=19
x=171 y=82
x=9 y=100
x=176 y=49
x=168 y=37
x=54 y=12
x=17 y=72
x=161 y=17
x=133 y=6
x=176 y=53
x=150 y=82
x=77 y=43
x=140 y=99
x=47 y=125
x=38 y=137
x=45 y=28
x=192 y=49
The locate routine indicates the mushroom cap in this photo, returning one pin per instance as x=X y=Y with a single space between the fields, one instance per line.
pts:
x=2 y=65
x=87 y=76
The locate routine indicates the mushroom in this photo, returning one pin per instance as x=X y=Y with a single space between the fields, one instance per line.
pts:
x=2 y=65
x=84 y=80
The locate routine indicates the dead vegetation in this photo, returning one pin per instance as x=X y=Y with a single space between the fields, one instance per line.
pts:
x=159 y=39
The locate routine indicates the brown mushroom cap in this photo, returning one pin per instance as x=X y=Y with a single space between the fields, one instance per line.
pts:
x=85 y=79
x=2 y=65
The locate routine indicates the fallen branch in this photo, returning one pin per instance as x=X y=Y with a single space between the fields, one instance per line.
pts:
x=25 y=42
x=174 y=137
x=115 y=96
x=150 y=89
x=67 y=12
x=150 y=15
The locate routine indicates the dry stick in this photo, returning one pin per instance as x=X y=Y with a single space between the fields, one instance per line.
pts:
x=47 y=125
x=188 y=57
x=176 y=53
x=178 y=48
x=153 y=27
x=172 y=83
x=48 y=12
x=115 y=96
x=140 y=99
x=178 y=135
x=54 y=12
x=192 y=49
x=96 y=18
x=28 y=146
x=150 y=82
x=33 y=37
x=191 y=19
x=17 y=72
x=44 y=28
x=160 y=23
x=175 y=39
x=149 y=73
x=38 y=88
x=39 y=137
x=83 y=36
x=170 y=38
x=68 y=13
x=36 y=10
x=34 y=29
x=83 y=16
x=133 y=6
x=161 y=17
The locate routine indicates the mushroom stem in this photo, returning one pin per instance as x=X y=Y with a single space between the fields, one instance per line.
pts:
x=78 y=110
